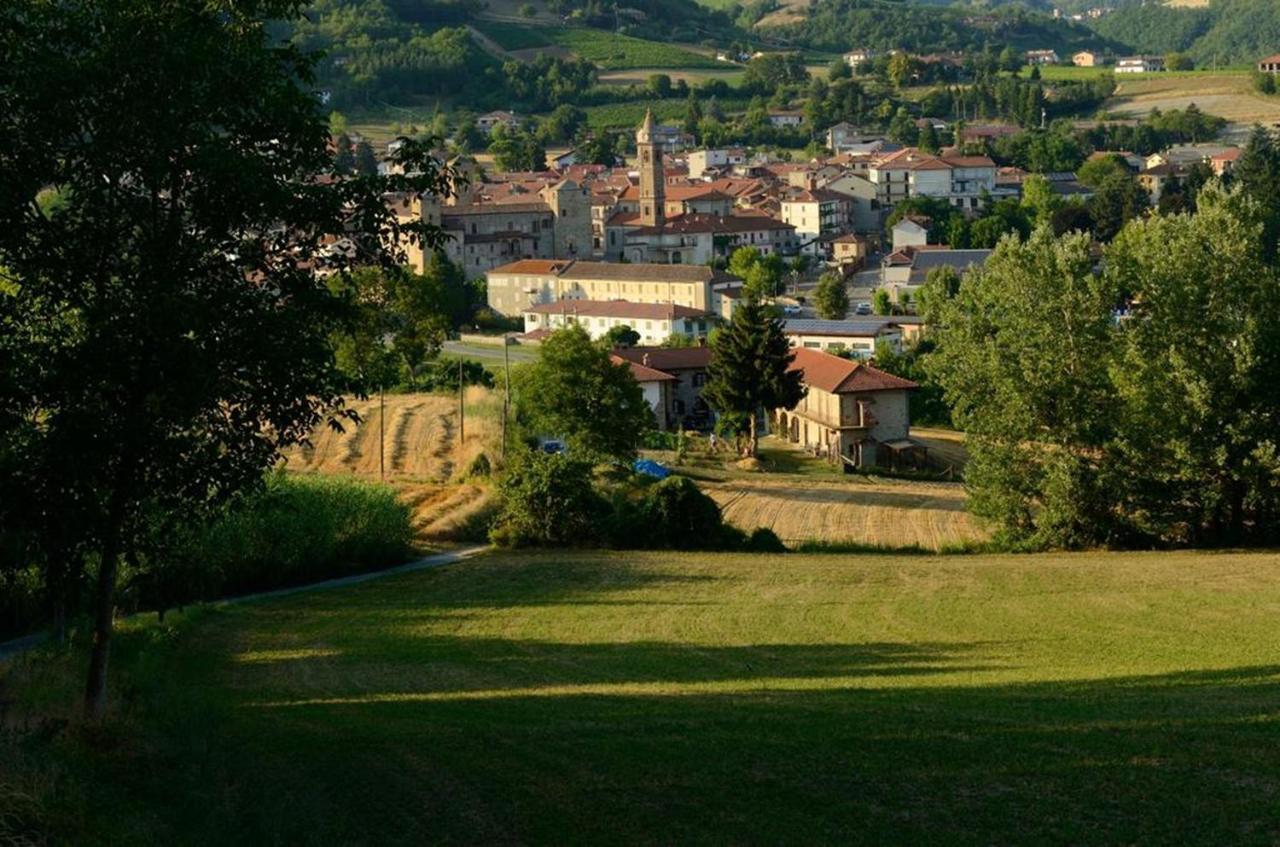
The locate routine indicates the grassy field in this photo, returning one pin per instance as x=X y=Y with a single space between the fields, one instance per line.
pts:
x=608 y=50
x=666 y=698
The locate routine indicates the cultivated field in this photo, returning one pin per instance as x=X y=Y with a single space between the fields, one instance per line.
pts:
x=872 y=511
x=421 y=452
x=643 y=698
x=1226 y=94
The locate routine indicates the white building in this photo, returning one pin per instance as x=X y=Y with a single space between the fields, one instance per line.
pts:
x=1139 y=64
x=961 y=180
x=858 y=337
x=655 y=322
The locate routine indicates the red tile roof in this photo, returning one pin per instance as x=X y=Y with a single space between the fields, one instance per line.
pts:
x=840 y=376
x=642 y=373
x=668 y=358
x=541 y=267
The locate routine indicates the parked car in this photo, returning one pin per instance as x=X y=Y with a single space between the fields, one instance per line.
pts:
x=791 y=309
x=862 y=309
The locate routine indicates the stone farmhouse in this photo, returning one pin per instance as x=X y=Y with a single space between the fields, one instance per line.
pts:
x=852 y=413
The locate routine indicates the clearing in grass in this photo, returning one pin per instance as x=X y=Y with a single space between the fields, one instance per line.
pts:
x=665 y=697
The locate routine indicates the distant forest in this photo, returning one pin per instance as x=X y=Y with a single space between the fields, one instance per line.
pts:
x=1227 y=32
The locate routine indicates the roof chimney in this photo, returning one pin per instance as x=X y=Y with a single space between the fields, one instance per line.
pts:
x=644 y=360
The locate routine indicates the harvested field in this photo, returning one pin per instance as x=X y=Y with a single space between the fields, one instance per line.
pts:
x=424 y=460
x=1225 y=94
x=946 y=447
x=879 y=512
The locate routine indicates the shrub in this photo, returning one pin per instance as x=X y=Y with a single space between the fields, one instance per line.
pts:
x=547 y=499
x=765 y=540
x=678 y=515
x=298 y=529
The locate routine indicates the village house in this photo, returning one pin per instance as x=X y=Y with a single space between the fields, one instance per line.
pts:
x=960 y=180
x=904 y=271
x=1270 y=65
x=845 y=135
x=701 y=161
x=1042 y=57
x=814 y=213
x=854 y=58
x=654 y=385
x=1088 y=59
x=911 y=231
x=1139 y=64
x=490 y=121
x=849 y=251
x=687 y=367
x=785 y=119
x=857 y=337
x=852 y=414
x=655 y=322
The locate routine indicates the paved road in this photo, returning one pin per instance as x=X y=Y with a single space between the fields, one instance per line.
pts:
x=27 y=642
x=489 y=354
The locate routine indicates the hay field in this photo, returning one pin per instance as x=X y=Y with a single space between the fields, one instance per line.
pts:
x=879 y=512
x=946 y=447
x=1226 y=94
x=424 y=459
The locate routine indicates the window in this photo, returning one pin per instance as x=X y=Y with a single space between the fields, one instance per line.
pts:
x=699 y=379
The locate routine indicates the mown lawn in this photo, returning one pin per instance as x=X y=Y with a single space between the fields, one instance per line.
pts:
x=640 y=698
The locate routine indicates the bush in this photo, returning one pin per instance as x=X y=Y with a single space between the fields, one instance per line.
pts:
x=547 y=499
x=765 y=540
x=296 y=530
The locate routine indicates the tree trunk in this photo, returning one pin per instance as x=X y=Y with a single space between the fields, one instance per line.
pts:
x=95 y=693
x=753 y=438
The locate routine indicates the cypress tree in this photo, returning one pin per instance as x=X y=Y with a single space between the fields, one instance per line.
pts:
x=748 y=369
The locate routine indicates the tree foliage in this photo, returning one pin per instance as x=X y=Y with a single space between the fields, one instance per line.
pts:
x=165 y=332
x=576 y=392
x=1155 y=428
x=831 y=296
x=749 y=367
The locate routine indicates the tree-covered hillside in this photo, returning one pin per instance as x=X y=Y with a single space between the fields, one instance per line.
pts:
x=925 y=28
x=1226 y=32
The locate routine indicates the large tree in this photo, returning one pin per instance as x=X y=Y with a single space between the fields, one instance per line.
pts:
x=1024 y=349
x=166 y=325
x=831 y=296
x=575 y=391
x=749 y=365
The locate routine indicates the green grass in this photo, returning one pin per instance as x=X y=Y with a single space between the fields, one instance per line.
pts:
x=513 y=36
x=666 y=698
x=613 y=51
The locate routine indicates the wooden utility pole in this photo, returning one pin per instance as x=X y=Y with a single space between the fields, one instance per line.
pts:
x=506 y=394
x=382 y=432
x=462 y=412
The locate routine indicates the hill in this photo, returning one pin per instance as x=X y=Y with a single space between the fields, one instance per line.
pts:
x=1221 y=32
x=682 y=698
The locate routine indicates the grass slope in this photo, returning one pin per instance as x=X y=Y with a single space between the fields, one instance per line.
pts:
x=609 y=50
x=663 y=698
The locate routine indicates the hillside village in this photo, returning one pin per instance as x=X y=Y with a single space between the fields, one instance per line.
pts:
x=536 y=422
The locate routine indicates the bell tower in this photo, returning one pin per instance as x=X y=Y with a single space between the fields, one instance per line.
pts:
x=652 y=175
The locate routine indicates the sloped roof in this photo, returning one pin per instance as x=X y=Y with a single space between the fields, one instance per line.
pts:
x=841 y=376
x=541 y=267
x=638 y=271
x=668 y=358
x=868 y=327
x=642 y=373
x=615 y=309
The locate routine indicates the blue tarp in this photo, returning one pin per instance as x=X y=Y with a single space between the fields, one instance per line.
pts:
x=651 y=468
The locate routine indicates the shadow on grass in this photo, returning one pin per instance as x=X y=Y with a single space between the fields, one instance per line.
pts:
x=1179 y=758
